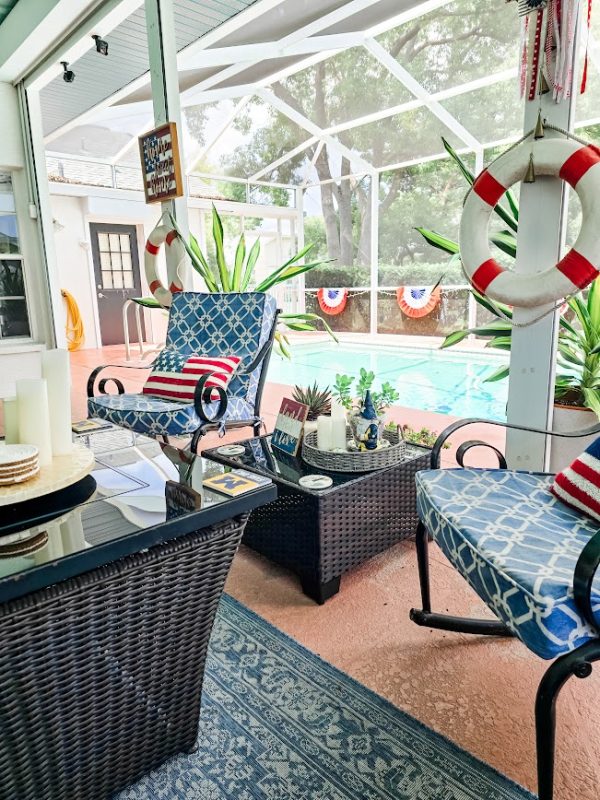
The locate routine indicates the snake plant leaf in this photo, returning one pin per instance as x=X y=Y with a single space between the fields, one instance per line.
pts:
x=500 y=343
x=217 y=231
x=240 y=255
x=290 y=272
x=469 y=176
x=250 y=264
x=454 y=338
x=276 y=276
x=592 y=400
x=498 y=375
x=506 y=242
x=439 y=241
x=497 y=309
x=196 y=263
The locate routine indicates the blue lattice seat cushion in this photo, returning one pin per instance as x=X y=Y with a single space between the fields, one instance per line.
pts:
x=517 y=546
x=155 y=417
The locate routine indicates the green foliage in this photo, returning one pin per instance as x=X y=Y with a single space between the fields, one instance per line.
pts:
x=342 y=391
x=318 y=400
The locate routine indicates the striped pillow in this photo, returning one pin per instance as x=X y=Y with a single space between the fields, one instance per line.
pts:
x=578 y=485
x=174 y=376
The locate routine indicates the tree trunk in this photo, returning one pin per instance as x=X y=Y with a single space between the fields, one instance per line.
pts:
x=363 y=256
x=345 y=214
x=332 y=233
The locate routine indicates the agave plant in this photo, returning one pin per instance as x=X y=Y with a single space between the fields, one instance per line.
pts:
x=238 y=277
x=317 y=400
x=577 y=380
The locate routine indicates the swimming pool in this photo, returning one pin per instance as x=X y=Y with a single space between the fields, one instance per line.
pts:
x=432 y=380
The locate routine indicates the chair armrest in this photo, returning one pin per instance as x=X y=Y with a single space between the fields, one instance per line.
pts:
x=260 y=356
x=466 y=446
x=102 y=384
x=203 y=394
x=585 y=571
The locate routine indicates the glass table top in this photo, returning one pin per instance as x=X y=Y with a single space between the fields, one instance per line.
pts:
x=140 y=492
x=260 y=457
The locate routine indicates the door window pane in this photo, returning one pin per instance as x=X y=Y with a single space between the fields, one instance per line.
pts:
x=113 y=241
x=126 y=260
x=103 y=242
x=105 y=260
x=117 y=280
x=124 y=237
x=128 y=280
x=107 y=282
x=115 y=260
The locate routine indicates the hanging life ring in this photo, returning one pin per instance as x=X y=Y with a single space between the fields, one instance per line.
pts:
x=574 y=163
x=332 y=301
x=163 y=234
x=417 y=301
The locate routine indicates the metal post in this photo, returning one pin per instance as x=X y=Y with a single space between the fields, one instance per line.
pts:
x=542 y=220
x=374 y=278
x=300 y=244
x=162 y=51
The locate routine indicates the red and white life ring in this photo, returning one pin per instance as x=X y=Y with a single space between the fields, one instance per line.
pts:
x=332 y=301
x=163 y=234
x=417 y=301
x=578 y=165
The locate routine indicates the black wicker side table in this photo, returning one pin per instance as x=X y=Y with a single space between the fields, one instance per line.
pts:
x=104 y=631
x=321 y=534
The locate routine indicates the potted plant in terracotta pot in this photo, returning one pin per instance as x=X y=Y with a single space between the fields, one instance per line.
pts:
x=367 y=407
x=577 y=384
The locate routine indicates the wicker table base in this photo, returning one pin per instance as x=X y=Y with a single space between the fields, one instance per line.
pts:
x=101 y=675
x=322 y=535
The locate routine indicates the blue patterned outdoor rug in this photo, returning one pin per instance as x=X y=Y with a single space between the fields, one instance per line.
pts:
x=281 y=724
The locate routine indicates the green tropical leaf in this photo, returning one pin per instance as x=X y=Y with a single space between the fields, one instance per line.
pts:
x=196 y=263
x=497 y=375
x=250 y=264
x=240 y=255
x=439 y=241
x=454 y=338
x=217 y=232
x=147 y=302
x=276 y=276
x=592 y=400
x=468 y=175
x=506 y=242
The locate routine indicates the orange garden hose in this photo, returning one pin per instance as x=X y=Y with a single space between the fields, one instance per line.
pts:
x=75 y=332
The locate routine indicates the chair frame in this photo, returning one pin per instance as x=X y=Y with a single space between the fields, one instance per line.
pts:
x=203 y=394
x=577 y=663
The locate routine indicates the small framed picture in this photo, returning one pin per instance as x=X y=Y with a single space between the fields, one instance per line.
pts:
x=289 y=426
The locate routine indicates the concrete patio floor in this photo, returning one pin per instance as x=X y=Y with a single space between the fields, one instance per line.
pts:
x=477 y=691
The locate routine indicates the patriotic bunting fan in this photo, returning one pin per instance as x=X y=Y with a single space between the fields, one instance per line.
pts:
x=417 y=301
x=332 y=301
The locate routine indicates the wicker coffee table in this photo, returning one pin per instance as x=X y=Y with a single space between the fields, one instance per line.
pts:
x=105 y=626
x=321 y=534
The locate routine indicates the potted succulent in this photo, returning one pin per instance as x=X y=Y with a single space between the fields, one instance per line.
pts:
x=366 y=406
x=577 y=383
x=318 y=402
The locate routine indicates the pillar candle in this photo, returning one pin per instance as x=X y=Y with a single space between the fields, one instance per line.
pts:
x=34 y=417
x=57 y=373
x=338 y=433
x=324 y=433
x=11 y=421
x=337 y=410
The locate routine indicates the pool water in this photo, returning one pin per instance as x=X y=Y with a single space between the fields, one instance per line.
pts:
x=431 y=380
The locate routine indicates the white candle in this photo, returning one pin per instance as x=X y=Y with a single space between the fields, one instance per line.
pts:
x=338 y=433
x=324 y=441
x=34 y=417
x=337 y=410
x=57 y=372
x=11 y=421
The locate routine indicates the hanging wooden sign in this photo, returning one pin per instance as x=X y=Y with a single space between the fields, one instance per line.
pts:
x=161 y=166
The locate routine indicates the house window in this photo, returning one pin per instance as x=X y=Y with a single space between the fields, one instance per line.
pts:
x=14 y=317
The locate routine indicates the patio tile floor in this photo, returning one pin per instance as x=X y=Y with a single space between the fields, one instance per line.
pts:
x=477 y=691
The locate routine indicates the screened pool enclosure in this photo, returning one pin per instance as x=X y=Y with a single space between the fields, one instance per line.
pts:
x=319 y=122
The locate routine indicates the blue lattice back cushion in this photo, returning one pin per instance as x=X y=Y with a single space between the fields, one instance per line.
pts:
x=223 y=324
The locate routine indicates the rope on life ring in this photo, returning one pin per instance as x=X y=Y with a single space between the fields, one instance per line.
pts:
x=417 y=301
x=75 y=330
x=162 y=234
x=332 y=301
x=576 y=163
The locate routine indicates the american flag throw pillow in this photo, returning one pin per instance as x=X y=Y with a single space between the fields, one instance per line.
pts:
x=174 y=376
x=579 y=484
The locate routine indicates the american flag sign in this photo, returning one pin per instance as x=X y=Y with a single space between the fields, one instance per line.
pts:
x=159 y=154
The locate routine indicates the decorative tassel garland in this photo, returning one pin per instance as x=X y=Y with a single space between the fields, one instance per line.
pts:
x=546 y=52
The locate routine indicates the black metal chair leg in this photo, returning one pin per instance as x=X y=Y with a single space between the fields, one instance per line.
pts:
x=198 y=434
x=428 y=619
x=165 y=438
x=578 y=663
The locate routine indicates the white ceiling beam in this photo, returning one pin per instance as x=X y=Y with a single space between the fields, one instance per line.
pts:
x=311 y=127
x=419 y=91
x=285 y=157
x=245 y=53
x=105 y=19
x=418 y=10
x=202 y=151
x=313 y=161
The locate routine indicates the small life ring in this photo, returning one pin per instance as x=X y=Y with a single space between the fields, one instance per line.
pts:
x=332 y=301
x=417 y=301
x=574 y=163
x=170 y=237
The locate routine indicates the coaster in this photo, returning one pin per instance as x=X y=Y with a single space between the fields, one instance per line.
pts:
x=316 y=481
x=231 y=450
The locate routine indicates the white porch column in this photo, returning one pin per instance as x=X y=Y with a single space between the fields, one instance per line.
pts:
x=162 y=52
x=542 y=218
x=374 y=282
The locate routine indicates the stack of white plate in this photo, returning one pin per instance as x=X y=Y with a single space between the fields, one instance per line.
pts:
x=18 y=463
